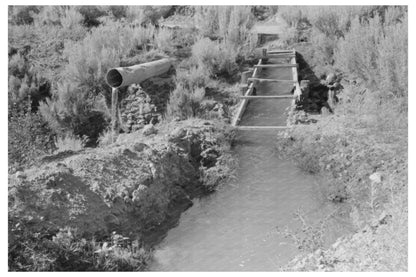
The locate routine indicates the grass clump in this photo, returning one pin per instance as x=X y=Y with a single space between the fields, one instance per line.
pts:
x=69 y=142
x=67 y=250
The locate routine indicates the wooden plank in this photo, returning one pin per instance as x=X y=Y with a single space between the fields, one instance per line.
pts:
x=249 y=128
x=277 y=65
x=243 y=104
x=268 y=96
x=279 y=51
x=270 y=80
x=297 y=92
x=285 y=55
x=294 y=70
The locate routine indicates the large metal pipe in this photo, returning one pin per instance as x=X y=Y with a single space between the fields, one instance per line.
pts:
x=124 y=76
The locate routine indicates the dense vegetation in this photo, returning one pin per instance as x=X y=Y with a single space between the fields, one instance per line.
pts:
x=58 y=57
x=59 y=101
x=362 y=147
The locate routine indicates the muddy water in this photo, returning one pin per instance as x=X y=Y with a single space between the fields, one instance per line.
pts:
x=234 y=229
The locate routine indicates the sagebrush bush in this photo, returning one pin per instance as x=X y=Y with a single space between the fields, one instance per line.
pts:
x=71 y=18
x=22 y=14
x=29 y=137
x=184 y=103
x=146 y=15
x=376 y=52
x=72 y=110
x=106 y=138
x=49 y=15
x=227 y=23
x=192 y=78
x=218 y=58
x=163 y=40
x=69 y=142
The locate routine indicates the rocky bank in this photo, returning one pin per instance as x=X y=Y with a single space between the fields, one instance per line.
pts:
x=136 y=187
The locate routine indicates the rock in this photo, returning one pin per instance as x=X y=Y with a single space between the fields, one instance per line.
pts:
x=149 y=129
x=20 y=175
x=376 y=177
x=139 y=147
x=331 y=78
x=137 y=127
x=139 y=193
x=112 y=220
x=177 y=134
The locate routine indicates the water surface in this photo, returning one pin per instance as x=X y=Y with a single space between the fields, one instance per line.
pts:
x=234 y=229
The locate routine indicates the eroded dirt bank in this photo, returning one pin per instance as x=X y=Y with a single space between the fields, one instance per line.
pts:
x=137 y=187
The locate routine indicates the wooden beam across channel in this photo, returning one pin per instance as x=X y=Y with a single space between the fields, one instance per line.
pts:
x=283 y=55
x=249 y=128
x=270 y=80
x=279 y=51
x=276 y=65
x=267 y=96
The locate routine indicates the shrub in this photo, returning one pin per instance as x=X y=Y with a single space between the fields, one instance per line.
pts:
x=91 y=15
x=216 y=57
x=26 y=89
x=106 y=138
x=393 y=56
x=192 y=78
x=206 y=20
x=71 y=18
x=163 y=40
x=376 y=53
x=69 y=142
x=72 y=110
x=230 y=23
x=89 y=60
x=29 y=137
x=22 y=14
x=184 y=103
x=358 y=51
x=324 y=47
x=49 y=15
x=146 y=15
x=67 y=250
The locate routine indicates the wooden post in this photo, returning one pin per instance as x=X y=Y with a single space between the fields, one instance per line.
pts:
x=114 y=114
x=244 y=76
x=331 y=98
x=244 y=80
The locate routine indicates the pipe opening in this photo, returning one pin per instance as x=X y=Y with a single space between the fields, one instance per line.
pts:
x=114 y=78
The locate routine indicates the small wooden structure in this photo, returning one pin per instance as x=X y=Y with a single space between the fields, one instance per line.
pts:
x=254 y=80
x=125 y=76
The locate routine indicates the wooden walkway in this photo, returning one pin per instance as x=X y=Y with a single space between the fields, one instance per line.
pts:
x=253 y=81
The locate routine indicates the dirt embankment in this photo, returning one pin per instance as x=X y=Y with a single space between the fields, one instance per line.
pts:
x=137 y=187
